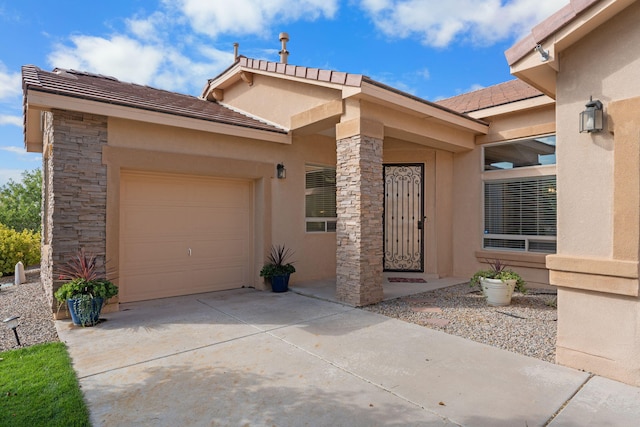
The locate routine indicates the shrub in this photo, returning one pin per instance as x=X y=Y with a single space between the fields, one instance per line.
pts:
x=18 y=246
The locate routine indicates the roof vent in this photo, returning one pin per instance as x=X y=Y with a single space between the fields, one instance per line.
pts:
x=64 y=73
x=235 y=51
x=284 y=53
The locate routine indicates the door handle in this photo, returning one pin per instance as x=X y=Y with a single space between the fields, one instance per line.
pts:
x=189 y=251
x=421 y=223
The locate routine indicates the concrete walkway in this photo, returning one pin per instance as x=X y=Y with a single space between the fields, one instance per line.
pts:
x=255 y=358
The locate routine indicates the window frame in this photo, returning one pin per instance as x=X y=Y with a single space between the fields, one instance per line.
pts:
x=507 y=175
x=329 y=223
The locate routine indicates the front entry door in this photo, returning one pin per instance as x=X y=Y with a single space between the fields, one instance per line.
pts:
x=404 y=217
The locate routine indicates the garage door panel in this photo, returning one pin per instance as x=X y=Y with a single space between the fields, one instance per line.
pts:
x=182 y=235
x=212 y=278
x=156 y=251
x=222 y=250
x=221 y=195
x=153 y=221
x=219 y=218
x=142 y=188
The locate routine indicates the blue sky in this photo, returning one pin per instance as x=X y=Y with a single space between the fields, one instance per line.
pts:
x=431 y=48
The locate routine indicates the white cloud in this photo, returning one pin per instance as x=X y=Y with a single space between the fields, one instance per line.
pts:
x=438 y=23
x=10 y=83
x=21 y=152
x=118 y=56
x=153 y=51
x=250 y=16
x=13 y=174
x=150 y=28
x=10 y=120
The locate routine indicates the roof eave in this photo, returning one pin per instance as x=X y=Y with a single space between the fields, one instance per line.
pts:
x=37 y=101
x=373 y=91
x=561 y=30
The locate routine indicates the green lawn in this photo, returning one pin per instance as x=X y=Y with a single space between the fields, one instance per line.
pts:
x=38 y=387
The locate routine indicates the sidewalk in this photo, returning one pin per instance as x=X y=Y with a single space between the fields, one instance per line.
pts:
x=255 y=358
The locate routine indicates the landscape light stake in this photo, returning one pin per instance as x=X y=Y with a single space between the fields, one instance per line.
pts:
x=12 y=323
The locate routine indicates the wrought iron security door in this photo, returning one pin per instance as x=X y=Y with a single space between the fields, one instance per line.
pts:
x=403 y=217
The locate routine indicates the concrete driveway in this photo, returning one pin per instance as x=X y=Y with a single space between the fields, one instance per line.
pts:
x=251 y=358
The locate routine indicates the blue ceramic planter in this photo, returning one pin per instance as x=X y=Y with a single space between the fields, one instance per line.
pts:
x=85 y=311
x=280 y=283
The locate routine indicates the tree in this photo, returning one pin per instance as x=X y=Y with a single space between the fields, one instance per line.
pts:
x=20 y=202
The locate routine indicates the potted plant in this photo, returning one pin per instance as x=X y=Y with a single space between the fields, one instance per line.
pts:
x=498 y=283
x=85 y=291
x=278 y=268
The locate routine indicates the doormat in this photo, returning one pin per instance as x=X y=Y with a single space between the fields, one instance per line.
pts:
x=406 y=280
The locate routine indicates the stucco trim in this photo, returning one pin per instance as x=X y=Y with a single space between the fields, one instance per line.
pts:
x=618 y=277
x=507 y=135
x=354 y=127
x=594 y=282
x=317 y=118
x=119 y=158
x=607 y=267
x=512 y=107
x=514 y=259
x=45 y=101
x=623 y=123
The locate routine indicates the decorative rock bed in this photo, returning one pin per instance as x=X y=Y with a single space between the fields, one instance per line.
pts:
x=527 y=326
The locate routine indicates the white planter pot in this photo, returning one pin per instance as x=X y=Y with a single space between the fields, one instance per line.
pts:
x=498 y=293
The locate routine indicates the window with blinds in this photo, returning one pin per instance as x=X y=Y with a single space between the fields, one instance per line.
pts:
x=320 y=199
x=520 y=214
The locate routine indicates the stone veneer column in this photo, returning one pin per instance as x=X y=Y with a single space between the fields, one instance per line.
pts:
x=359 y=203
x=74 y=191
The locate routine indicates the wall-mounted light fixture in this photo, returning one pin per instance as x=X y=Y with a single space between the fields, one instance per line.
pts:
x=282 y=172
x=544 y=54
x=591 y=118
x=12 y=323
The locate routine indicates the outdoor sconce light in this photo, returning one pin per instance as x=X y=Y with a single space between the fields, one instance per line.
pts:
x=591 y=117
x=12 y=323
x=282 y=172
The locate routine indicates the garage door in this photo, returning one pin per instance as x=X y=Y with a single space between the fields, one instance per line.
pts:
x=183 y=234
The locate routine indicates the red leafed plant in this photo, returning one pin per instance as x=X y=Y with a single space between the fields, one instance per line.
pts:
x=80 y=266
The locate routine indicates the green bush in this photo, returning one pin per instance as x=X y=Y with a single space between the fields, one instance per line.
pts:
x=18 y=246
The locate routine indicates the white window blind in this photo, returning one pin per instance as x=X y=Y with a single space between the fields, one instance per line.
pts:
x=521 y=214
x=320 y=198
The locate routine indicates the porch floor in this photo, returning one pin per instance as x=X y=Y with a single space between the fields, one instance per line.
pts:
x=326 y=289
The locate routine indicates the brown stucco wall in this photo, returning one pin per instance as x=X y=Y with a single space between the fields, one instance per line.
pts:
x=598 y=175
x=280 y=215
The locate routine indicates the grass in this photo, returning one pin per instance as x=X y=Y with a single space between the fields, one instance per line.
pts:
x=38 y=387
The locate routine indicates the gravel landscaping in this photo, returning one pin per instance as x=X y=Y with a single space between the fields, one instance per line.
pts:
x=527 y=326
x=27 y=301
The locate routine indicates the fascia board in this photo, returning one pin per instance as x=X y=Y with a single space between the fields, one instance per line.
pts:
x=380 y=95
x=565 y=37
x=513 y=107
x=47 y=101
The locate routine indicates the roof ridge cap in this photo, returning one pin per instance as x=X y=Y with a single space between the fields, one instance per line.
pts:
x=302 y=71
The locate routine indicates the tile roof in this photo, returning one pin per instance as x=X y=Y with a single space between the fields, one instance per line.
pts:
x=318 y=74
x=492 y=96
x=93 y=87
x=339 y=77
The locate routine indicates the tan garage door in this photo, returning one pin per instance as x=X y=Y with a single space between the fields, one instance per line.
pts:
x=183 y=234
